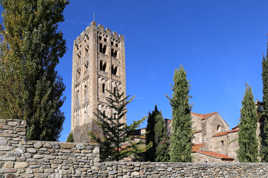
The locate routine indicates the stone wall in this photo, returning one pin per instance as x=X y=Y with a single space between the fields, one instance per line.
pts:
x=42 y=159
x=21 y=158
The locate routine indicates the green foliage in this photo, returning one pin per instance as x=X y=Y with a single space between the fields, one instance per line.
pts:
x=248 y=144
x=116 y=141
x=70 y=137
x=31 y=46
x=155 y=134
x=162 y=154
x=150 y=135
x=264 y=116
x=181 y=129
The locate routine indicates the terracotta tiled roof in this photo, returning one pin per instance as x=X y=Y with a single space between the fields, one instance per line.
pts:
x=236 y=129
x=203 y=116
x=216 y=155
x=196 y=147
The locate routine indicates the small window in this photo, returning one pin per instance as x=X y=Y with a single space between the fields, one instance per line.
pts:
x=102 y=66
x=116 y=45
x=104 y=114
x=114 y=70
x=104 y=49
x=112 y=43
x=86 y=64
x=105 y=39
x=222 y=142
x=100 y=49
x=115 y=90
x=99 y=37
x=218 y=128
x=78 y=71
x=76 y=46
x=113 y=53
x=103 y=88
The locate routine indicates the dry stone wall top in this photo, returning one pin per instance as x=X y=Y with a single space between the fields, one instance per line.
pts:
x=21 y=158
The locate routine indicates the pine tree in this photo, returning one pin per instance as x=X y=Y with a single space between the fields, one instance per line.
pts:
x=248 y=144
x=30 y=50
x=181 y=128
x=264 y=117
x=116 y=140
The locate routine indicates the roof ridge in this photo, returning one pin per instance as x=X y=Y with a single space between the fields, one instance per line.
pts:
x=203 y=116
x=215 y=154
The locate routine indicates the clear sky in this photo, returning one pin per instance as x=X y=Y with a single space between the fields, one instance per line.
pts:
x=219 y=43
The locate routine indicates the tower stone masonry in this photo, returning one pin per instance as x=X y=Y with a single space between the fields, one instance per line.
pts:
x=98 y=66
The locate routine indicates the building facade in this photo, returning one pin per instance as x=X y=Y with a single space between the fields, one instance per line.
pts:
x=98 y=67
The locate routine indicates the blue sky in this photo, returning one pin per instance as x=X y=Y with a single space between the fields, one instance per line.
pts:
x=219 y=43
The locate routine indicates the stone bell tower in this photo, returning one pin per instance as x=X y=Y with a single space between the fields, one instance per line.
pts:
x=98 y=66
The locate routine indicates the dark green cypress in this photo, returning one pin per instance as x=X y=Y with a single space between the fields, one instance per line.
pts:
x=181 y=128
x=150 y=135
x=161 y=140
x=30 y=51
x=264 y=115
x=248 y=144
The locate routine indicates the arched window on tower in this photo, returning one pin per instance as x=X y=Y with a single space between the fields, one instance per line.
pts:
x=103 y=88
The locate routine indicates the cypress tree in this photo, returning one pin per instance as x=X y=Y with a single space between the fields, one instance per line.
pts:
x=161 y=140
x=264 y=116
x=248 y=144
x=150 y=135
x=30 y=50
x=156 y=135
x=181 y=128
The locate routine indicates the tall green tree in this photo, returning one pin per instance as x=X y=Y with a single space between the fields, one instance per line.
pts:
x=116 y=140
x=248 y=144
x=264 y=115
x=31 y=47
x=181 y=127
x=150 y=135
x=155 y=135
x=161 y=140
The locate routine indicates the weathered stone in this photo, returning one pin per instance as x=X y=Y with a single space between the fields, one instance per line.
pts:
x=48 y=170
x=38 y=145
x=38 y=156
x=5 y=148
x=31 y=150
x=19 y=165
x=96 y=150
x=80 y=146
x=12 y=123
x=47 y=145
x=66 y=145
x=7 y=158
x=3 y=141
x=8 y=164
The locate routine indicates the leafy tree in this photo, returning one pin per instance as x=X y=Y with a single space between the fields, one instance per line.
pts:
x=264 y=117
x=31 y=46
x=70 y=138
x=181 y=128
x=248 y=144
x=116 y=140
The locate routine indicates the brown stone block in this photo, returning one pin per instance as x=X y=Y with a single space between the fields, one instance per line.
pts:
x=66 y=145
